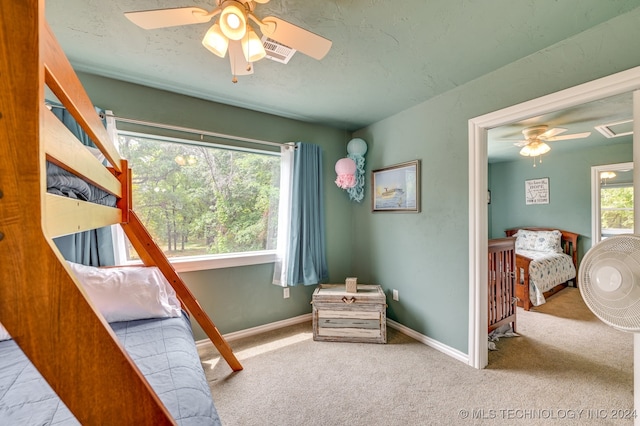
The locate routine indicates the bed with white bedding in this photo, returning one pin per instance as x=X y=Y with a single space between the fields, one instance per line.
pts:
x=546 y=260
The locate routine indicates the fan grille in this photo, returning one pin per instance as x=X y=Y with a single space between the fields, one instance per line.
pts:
x=610 y=281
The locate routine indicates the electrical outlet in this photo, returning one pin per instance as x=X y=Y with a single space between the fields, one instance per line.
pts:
x=286 y=292
x=396 y=296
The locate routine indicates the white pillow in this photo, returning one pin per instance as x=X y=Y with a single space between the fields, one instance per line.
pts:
x=549 y=241
x=4 y=334
x=128 y=293
x=525 y=240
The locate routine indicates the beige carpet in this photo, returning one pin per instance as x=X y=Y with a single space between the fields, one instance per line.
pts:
x=565 y=368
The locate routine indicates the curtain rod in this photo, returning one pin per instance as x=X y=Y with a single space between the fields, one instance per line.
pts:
x=195 y=131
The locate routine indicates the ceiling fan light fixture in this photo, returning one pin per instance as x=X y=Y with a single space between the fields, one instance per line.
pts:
x=252 y=46
x=607 y=175
x=215 y=41
x=233 y=20
x=535 y=149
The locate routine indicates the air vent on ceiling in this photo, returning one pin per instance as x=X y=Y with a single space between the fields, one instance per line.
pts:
x=276 y=51
x=616 y=129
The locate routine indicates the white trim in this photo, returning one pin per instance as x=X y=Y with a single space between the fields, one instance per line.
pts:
x=196 y=263
x=478 y=241
x=253 y=331
x=447 y=350
x=229 y=337
x=636 y=229
x=230 y=260
x=615 y=84
x=596 y=230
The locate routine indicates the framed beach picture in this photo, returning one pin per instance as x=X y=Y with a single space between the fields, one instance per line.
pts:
x=396 y=188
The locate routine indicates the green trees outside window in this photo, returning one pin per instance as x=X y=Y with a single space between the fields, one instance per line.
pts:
x=616 y=209
x=196 y=199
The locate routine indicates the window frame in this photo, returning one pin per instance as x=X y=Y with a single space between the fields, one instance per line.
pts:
x=197 y=262
x=615 y=209
x=596 y=213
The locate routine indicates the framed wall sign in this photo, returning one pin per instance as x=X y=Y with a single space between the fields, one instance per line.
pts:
x=396 y=188
x=536 y=191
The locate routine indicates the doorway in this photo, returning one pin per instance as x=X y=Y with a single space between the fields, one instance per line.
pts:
x=625 y=81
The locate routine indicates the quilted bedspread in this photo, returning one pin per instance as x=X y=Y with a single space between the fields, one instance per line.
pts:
x=163 y=349
x=547 y=270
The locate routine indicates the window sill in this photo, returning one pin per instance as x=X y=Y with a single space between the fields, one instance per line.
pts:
x=230 y=260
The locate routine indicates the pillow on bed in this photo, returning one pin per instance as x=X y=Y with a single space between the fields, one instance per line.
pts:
x=128 y=293
x=549 y=241
x=4 y=334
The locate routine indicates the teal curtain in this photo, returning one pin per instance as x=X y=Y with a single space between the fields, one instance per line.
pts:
x=307 y=262
x=95 y=247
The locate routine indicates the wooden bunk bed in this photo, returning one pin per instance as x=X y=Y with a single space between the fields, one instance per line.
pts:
x=568 y=248
x=501 y=282
x=42 y=304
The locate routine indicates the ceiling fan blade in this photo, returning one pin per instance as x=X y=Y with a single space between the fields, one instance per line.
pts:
x=295 y=37
x=552 y=132
x=521 y=143
x=161 y=18
x=239 y=65
x=572 y=136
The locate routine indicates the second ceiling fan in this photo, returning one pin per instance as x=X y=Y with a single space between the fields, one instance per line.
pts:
x=233 y=33
x=536 y=138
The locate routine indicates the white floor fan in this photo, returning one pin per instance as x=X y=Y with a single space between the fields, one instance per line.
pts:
x=609 y=283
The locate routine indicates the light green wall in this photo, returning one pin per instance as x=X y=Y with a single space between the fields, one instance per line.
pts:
x=242 y=297
x=426 y=256
x=569 y=205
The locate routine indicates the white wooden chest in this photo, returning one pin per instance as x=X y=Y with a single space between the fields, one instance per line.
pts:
x=339 y=316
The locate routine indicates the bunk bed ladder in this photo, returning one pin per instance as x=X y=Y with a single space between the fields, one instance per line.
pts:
x=151 y=255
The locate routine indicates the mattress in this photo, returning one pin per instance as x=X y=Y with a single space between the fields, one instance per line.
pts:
x=547 y=270
x=163 y=349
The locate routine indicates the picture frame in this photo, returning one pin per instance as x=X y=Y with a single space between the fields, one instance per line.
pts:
x=536 y=191
x=396 y=188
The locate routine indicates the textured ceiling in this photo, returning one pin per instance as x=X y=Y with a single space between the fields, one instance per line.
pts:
x=386 y=55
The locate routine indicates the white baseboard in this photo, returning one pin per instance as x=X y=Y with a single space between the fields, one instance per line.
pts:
x=447 y=350
x=229 y=337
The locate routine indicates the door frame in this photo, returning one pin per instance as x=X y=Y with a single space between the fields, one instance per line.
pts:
x=622 y=82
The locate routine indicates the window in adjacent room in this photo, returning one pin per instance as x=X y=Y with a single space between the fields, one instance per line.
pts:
x=616 y=210
x=203 y=202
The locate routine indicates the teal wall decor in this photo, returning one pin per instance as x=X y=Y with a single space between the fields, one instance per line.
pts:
x=357 y=148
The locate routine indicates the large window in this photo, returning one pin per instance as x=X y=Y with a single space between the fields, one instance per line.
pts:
x=203 y=201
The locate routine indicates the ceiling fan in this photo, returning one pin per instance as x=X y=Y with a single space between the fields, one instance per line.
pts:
x=536 y=137
x=233 y=33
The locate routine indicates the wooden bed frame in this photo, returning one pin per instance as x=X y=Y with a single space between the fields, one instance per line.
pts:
x=569 y=243
x=41 y=303
x=501 y=282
